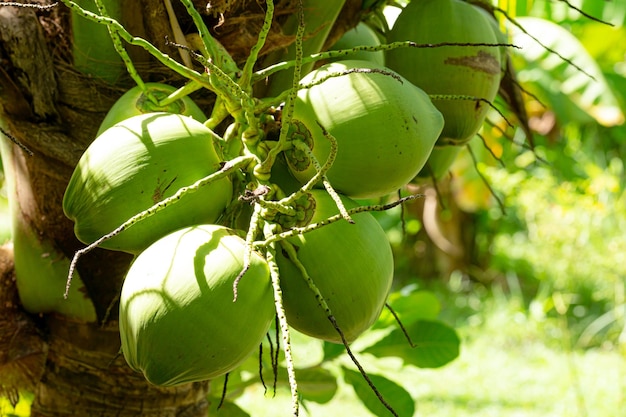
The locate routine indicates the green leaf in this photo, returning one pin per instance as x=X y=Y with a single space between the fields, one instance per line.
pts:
x=434 y=344
x=316 y=384
x=393 y=394
x=573 y=93
x=418 y=305
x=332 y=351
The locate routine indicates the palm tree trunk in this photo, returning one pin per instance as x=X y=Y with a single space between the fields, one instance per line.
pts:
x=86 y=376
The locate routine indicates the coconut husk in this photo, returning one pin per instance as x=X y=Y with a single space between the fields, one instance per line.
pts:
x=236 y=23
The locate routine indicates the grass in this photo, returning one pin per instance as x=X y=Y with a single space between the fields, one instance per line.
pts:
x=514 y=365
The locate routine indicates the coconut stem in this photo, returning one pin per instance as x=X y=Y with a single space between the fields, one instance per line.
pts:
x=183 y=91
x=282 y=321
x=252 y=232
x=320 y=171
x=329 y=188
x=342 y=53
x=320 y=174
x=319 y=19
x=218 y=55
x=245 y=81
x=119 y=48
x=265 y=167
x=294 y=231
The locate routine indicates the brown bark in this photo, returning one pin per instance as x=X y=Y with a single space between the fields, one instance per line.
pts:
x=86 y=375
x=53 y=112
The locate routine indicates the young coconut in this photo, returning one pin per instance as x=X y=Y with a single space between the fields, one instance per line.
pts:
x=385 y=128
x=439 y=161
x=351 y=265
x=135 y=102
x=471 y=70
x=361 y=35
x=178 y=320
x=134 y=165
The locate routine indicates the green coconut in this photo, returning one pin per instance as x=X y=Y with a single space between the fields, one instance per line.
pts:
x=385 y=128
x=135 y=102
x=351 y=265
x=361 y=35
x=136 y=164
x=178 y=320
x=471 y=70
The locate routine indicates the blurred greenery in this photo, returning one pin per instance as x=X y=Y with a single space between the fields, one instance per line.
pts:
x=563 y=235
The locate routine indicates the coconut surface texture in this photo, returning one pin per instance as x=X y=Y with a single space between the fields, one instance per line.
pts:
x=136 y=164
x=385 y=127
x=178 y=320
x=351 y=265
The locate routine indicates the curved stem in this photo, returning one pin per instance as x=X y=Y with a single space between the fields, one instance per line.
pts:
x=183 y=91
x=321 y=302
x=337 y=217
x=266 y=72
x=218 y=55
x=282 y=321
x=245 y=81
x=119 y=48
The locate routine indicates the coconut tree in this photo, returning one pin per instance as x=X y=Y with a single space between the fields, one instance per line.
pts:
x=64 y=65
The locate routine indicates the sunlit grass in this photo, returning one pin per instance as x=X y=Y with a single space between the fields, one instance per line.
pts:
x=514 y=364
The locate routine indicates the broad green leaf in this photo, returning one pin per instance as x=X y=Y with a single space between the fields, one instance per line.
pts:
x=418 y=305
x=332 y=351
x=573 y=93
x=393 y=394
x=434 y=344
x=600 y=41
x=316 y=384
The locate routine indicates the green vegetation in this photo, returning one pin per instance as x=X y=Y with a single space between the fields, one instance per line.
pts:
x=511 y=365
